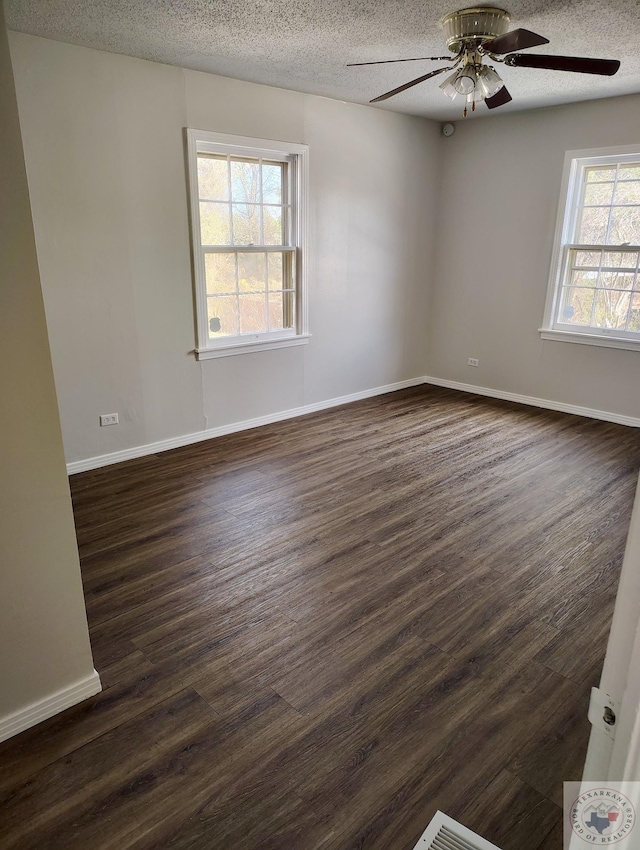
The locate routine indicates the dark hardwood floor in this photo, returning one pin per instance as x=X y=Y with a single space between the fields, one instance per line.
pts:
x=314 y=634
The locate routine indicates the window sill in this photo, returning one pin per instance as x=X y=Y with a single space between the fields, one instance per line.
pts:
x=591 y=339
x=250 y=347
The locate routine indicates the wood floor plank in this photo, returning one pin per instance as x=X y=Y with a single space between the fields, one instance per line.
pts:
x=114 y=780
x=554 y=840
x=556 y=755
x=279 y=822
x=436 y=750
x=314 y=634
x=524 y=817
x=132 y=690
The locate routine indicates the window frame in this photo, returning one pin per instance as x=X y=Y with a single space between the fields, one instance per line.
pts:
x=569 y=208
x=297 y=155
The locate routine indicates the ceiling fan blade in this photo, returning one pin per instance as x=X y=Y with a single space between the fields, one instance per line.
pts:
x=417 y=59
x=498 y=99
x=606 y=67
x=408 y=85
x=514 y=40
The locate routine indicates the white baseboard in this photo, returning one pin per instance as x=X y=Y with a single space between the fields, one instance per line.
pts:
x=28 y=716
x=532 y=401
x=186 y=439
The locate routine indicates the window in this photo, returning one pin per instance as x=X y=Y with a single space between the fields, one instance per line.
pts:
x=594 y=291
x=247 y=230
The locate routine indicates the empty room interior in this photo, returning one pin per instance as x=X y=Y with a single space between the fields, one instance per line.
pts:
x=320 y=422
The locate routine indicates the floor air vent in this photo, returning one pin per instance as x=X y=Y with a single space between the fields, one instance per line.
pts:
x=444 y=833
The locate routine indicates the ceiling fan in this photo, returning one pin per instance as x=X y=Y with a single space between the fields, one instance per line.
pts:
x=480 y=32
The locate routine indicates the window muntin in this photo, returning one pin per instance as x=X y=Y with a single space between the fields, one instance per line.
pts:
x=596 y=278
x=247 y=239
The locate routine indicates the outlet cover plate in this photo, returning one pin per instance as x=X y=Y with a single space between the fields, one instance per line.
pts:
x=108 y=419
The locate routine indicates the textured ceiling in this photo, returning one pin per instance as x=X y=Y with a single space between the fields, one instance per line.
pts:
x=305 y=46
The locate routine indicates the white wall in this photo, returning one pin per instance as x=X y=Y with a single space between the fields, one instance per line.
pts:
x=500 y=191
x=104 y=151
x=44 y=643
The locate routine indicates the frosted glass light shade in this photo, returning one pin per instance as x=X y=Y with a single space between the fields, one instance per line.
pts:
x=489 y=81
x=466 y=80
x=447 y=86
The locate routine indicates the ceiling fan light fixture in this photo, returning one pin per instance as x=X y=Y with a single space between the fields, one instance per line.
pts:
x=466 y=79
x=489 y=81
x=482 y=32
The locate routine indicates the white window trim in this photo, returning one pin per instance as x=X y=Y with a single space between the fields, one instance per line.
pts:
x=574 y=162
x=205 y=141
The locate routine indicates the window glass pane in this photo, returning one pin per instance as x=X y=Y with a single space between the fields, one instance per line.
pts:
x=214 y=224
x=276 y=317
x=629 y=172
x=627 y=193
x=245 y=181
x=585 y=258
x=220 y=272
x=288 y=308
x=634 y=316
x=616 y=280
x=251 y=272
x=598 y=193
x=288 y=269
x=281 y=310
x=281 y=270
x=223 y=316
x=253 y=317
x=272 y=225
x=625 y=226
x=598 y=173
x=272 y=183
x=593 y=227
x=275 y=270
x=611 y=309
x=246 y=224
x=213 y=178
x=579 y=278
x=576 y=305
x=616 y=259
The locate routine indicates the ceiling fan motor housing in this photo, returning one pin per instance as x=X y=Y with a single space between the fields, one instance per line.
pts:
x=470 y=27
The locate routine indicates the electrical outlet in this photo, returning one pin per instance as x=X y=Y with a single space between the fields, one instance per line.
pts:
x=108 y=419
x=473 y=361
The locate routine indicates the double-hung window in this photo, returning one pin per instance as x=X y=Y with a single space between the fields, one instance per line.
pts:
x=248 y=238
x=594 y=290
